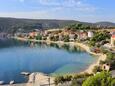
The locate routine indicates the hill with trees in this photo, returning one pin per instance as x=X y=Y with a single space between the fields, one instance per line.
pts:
x=15 y=24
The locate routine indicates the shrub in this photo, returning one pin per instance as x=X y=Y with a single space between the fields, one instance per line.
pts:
x=39 y=37
x=75 y=83
x=98 y=37
x=110 y=56
x=84 y=75
x=102 y=79
x=97 y=69
x=54 y=38
x=113 y=82
x=58 y=79
x=66 y=38
x=62 y=79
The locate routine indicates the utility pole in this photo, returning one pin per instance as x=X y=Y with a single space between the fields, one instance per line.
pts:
x=49 y=80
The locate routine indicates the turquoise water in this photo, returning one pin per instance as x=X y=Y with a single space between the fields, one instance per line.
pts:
x=17 y=57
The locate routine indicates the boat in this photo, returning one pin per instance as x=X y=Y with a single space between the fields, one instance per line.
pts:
x=11 y=82
x=1 y=82
x=25 y=73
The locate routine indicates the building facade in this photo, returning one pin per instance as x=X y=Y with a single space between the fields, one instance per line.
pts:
x=113 y=39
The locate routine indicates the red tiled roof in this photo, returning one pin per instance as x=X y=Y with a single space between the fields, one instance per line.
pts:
x=113 y=36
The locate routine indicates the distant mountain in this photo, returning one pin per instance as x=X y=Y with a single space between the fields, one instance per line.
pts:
x=15 y=24
x=105 y=24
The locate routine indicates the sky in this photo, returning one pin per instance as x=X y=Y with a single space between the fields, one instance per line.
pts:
x=81 y=10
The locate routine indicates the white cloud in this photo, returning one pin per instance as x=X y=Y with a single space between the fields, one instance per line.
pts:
x=57 y=9
x=79 y=5
x=23 y=14
x=43 y=14
x=60 y=2
x=48 y=2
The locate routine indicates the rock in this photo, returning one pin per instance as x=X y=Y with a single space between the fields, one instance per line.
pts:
x=11 y=82
x=1 y=82
x=32 y=77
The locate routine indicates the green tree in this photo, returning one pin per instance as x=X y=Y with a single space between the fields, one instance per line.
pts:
x=66 y=38
x=113 y=83
x=97 y=69
x=102 y=79
x=98 y=37
x=38 y=37
x=110 y=56
x=58 y=79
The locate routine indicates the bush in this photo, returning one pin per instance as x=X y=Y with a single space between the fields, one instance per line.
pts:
x=67 y=78
x=39 y=37
x=54 y=38
x=84 y=75
x=97 y=69
x=62 y=79
x=113 y=83
x=102 y=62
x=104 y=51
x=110 y=56
x=66 y=38
x=98 y=37
x=102 y=79
x=75 y=83
x=58 y=79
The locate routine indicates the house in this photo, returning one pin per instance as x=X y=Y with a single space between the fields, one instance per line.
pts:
x=82 y=35
x=90 y=34
x=60 y=37
x=33 y=34
x=113 y=39
x=107 y=45
x=106 y=67
x=96 y=50
x=71 y=37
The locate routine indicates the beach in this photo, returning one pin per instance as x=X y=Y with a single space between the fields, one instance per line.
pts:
x=100 y=56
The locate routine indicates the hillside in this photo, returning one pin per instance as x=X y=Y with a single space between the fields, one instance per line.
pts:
x=105 y=23
x=14 y=24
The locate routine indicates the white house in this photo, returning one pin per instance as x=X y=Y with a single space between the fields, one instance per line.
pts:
x=60 y=37
x=90 y=34
x=106 y=67
x=71 y=37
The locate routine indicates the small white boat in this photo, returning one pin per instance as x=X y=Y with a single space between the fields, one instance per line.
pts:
x=1 y=82
x=25 y=73
x=11 y=82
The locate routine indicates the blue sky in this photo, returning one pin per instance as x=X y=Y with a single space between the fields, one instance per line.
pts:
x=82 y=10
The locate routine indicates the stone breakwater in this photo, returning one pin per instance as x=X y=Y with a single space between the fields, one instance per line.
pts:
x=37 y=79
x=41 y=79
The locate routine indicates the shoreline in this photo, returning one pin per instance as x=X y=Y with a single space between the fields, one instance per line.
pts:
x=101 y=57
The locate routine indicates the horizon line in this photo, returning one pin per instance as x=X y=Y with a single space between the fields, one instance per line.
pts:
x=56 y=19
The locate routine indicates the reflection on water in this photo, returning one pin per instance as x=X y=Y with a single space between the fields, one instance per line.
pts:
x=18 y=56
x=71 y=48
x=67 y=47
